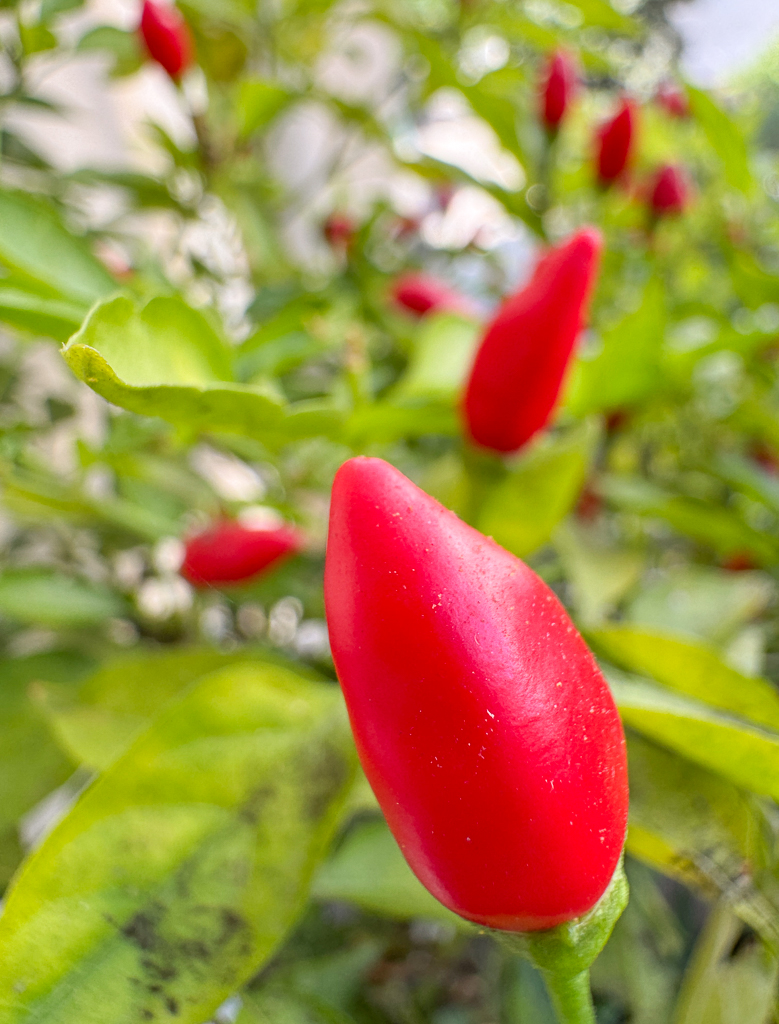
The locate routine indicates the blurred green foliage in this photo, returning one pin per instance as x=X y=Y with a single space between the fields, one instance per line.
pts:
x=222 y=862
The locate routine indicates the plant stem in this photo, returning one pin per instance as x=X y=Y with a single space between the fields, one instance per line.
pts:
x=571 y=997
x=718 y=935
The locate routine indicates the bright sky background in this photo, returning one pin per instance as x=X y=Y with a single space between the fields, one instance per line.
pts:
x=723 y=36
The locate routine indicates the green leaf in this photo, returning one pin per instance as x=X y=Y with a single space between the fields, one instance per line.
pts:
x=38 y=314
x=179 y=871
x=522 y=512
x=164 y=343
x=388 y=421
x=724 y=137
x=258 y=103
x=442 y=356
x=317 y=990
x=167 y=360
x=752 y=283
x=727 y=982
x=96 y=721
x=701 y=601
x=369 y=870
x=749 y=477
x=692 y=669
x=31 y=763
x=35 y=244
x=600 y=573
x=281 y=1007
x=123 y=46
x=36 y=38
x=698 y=828
x=717 y=527
x=47 y=598
x=745 y=754
x=627 y=367
x=51 y=8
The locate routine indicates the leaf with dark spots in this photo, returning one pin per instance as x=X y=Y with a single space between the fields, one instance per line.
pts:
x=178 y=872
x=327 y=771
x=141 y=929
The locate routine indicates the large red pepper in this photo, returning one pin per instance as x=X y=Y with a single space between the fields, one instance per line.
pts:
x=232 y=553
x=519 y=367
x=558 y=89
x=616 y=140
x=482 y=721
x=167 y=37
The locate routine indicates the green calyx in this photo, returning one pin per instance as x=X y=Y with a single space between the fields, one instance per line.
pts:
x=564 y=954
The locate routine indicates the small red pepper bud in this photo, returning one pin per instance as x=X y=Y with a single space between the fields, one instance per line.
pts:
x=590 y=504
x=421 y=294
x=741 y=561
x=485 y=728
x=766 y=458
x=521 y=362
x=558 y=88
x=668 y=191
x=167 y=37
x=672 y=99
x=339 y=230
x=616 y=140
x=232 y=553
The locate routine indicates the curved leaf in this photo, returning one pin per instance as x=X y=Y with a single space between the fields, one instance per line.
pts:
x=178 y=872
x=690 y=668
x=698 y=828
x=745 y=754
x=167 y=360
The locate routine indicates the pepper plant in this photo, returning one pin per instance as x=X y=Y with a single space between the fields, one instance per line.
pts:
x=372 y=244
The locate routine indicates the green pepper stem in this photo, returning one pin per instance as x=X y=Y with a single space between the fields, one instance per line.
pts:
x=571 y=997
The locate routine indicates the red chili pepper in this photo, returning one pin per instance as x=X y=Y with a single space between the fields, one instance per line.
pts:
x=766 y=458
x=616 y=140
x=484 y=726
x=421 y=294
x=339 y=230
x=672 y=99
x=232 y=553
x=741 y=561
x=167 y=37
x=668 y=191
x=558 y=89
x=519 y=367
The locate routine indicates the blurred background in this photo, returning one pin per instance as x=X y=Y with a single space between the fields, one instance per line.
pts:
x=273 y=196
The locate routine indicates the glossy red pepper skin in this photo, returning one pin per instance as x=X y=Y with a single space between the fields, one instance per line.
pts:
x=232 y=553
x=520 y=365
x=558 y=89
x=166 y=37
x=616 y=140
x=669 y=194
x=484 y=726
x=421 y=294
